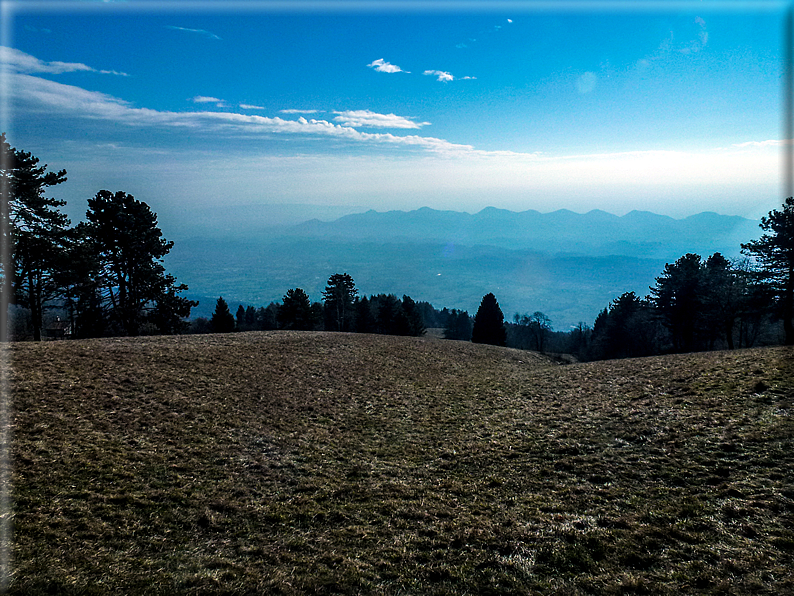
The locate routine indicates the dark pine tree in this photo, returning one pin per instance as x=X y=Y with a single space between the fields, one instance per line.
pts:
x=679 y=299
x=365 y=323
x=489 y=325
x=250 y=318
x=267 y=317
x=413 y=316
x=240 y=318
x=130 y=248
x=774 y=251
x=296 y=311
x=338 y=297
x=458 y=325
x=36 y=230
x=222 y=320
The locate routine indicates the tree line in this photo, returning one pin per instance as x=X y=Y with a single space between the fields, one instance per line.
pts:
x=696 y=304
x=341 y=309
x=105 y=274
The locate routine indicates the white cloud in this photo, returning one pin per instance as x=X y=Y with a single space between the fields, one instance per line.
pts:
x=17 y=61
x=48 y=97
x=204 y=99
x=248 y=106
x=442 y=76
x=208 y=34
x=767 y=143
x=445 y=77
x=293 y=111
x=367 y=119
x=382 y=66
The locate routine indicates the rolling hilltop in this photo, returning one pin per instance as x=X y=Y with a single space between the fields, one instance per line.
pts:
x=568 y=265
x=290 y=462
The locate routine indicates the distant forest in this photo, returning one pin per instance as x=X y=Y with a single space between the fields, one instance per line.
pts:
x=105 y=277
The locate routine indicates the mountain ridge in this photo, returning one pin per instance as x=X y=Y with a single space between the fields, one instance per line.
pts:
x=566 y=264
x=593 y=233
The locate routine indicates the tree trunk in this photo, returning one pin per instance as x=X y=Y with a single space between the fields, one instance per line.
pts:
x=35 y=308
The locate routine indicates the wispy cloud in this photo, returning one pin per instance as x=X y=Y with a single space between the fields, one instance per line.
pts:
x=17 y=61
x=203 y=32
x=767 y=143
x=442 y=76
x=670 y=45
x=294 y=111
x=48 y=97
x=382 y=66
x=204 y=99
x=248 y=106
x=445 y=77
x=367 y=119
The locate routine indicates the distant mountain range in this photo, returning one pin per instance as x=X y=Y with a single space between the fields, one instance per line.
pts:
x=568 y=265
x=638 y=233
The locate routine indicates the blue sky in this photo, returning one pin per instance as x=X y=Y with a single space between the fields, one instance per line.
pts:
x=674 y=108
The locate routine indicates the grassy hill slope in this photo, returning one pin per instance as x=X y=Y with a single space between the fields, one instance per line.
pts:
x=292 y=463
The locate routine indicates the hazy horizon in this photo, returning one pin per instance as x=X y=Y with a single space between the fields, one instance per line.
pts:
x=208 y=106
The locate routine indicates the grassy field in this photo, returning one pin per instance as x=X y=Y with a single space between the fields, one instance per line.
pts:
x=292 y=463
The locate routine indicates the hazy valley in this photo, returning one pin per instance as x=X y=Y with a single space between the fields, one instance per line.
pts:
x=568 y=265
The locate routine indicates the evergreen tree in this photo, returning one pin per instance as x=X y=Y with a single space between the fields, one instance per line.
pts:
x=250 y=318
x=489 y=325
x=458 y=325
x=239 y=318
x=318 y=312
x=267 y=318
x=222 y=320
x=431 y=317
x=338 y=299
x=679 y=300
x=33 y=231
x=81 y=286
x=296 y=311
x=169 y=312
x=391 y=318
x=757 y=306
x=130 y=248
x=624 y=329
x=415 y=325
x=365 y=323
x=724 y=297
x=774 y=251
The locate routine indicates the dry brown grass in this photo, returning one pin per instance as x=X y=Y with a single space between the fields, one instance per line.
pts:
x=290 y=463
